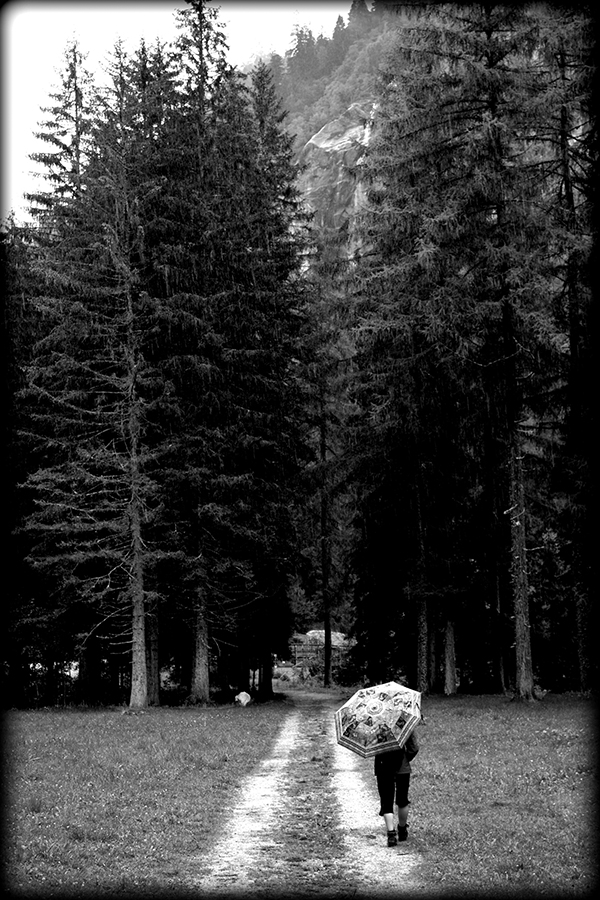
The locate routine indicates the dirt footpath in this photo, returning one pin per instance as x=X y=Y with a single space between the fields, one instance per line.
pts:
x=308 y=821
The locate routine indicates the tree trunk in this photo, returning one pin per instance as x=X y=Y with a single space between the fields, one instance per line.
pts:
x=422 y=645
x=582 y=619
x=327 y=649
x=325 y=553
x=423 y=673
x=494 y=487
x=139 y=672
x=50 y=682
x=518 y=574
x=432 y=649
x=200 y=672
x=117 y=693
x=242 y=675
x=498 y=630
x=516 y=508
x=152 y=660
x=265 y=677
x=578 y=425
x=139 y=669
x=449 y=659
x=88 y=678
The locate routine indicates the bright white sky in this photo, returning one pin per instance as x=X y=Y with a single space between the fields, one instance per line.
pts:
x=34 y=35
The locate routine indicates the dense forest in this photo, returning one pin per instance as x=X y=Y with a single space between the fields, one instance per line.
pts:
x=222 y=427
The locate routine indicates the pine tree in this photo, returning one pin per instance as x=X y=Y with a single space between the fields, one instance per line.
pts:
x=223 y=257
x=326 y=525
x=566 y=50
x=182 y=241
x=268 y=335
x=359 y=14
x=86 y=385
x=461 y=273
x=302 y=58
x=66 y=132
x=31 y=634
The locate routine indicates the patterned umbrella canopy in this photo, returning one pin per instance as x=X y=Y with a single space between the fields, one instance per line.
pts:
x=378 y=719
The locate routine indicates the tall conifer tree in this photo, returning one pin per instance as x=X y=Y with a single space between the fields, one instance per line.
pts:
x=462 y=270
x=89 y=384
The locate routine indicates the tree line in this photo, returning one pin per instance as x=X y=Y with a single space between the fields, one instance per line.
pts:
x=221 y=428
x=472 y=315
x=158 y=323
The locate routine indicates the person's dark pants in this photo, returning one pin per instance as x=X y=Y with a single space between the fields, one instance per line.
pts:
x=389 y=785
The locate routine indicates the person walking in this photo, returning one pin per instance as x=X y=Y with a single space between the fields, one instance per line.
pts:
x=392 y=770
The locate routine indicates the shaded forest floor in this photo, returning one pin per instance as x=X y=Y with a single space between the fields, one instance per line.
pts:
x=503 y=801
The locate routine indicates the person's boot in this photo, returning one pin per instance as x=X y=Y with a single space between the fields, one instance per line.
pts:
x=402 y=832
x=392 y=839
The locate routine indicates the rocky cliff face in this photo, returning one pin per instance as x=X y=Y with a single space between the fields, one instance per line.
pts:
x=330 y=183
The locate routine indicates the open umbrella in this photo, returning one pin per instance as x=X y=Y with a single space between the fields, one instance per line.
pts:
x=378 y=719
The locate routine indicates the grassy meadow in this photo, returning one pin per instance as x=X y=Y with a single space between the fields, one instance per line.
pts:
x=503 y=795
x=101 y=800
